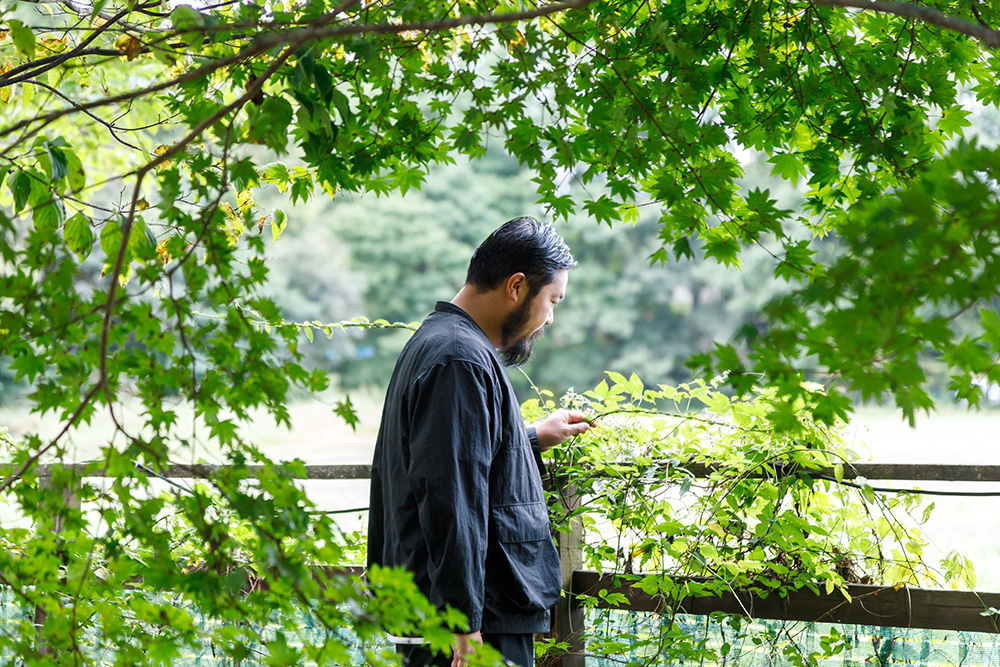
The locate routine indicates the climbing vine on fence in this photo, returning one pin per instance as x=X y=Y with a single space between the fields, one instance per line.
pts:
x=687 y=491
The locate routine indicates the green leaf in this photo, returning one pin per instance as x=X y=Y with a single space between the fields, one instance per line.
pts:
x=278 y=223
x=48 y=217
x=990 y=319
x=78 y=235
x=57 y=161
x=268 y=123
x=141 y=242
x=953 y=120
x=20 y=186
x=24 y=39
x=342 y=104
x=187 y=21
x=346 y=410
x=788 y=166
x=604 y=209
x=277 y=174
x=111 y=237
x=244 y=175
x=76 y=176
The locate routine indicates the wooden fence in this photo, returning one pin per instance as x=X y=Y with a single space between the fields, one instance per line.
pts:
x=891 y=606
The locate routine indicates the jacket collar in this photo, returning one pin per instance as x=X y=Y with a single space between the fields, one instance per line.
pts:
x=449 y=307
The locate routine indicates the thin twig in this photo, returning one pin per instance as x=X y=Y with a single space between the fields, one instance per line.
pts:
x=111 y=128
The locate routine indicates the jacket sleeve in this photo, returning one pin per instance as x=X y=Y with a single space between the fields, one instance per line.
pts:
x=453 y=436
x=536 y=450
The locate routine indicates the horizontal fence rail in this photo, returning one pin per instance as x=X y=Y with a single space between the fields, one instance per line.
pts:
x=883 y=606
x=920 y=472
x=339 y=471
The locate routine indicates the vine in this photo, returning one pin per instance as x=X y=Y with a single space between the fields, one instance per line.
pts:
x=687 y=491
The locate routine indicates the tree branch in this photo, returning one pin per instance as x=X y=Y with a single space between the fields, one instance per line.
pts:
x=988 y=37
x=7 y=78
x=975 y=12
x=320 y=32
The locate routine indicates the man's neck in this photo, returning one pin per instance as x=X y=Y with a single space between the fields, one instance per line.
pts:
x=485 y=308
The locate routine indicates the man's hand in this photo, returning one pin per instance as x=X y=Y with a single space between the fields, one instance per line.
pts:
x=463 y=646
x=559 y=427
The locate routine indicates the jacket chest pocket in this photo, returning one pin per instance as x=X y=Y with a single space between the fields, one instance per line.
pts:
x=521 y=522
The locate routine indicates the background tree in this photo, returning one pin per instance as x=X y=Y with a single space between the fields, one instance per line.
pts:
x=623 y=311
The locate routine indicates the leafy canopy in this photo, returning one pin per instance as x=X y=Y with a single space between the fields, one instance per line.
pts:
x=110 y=110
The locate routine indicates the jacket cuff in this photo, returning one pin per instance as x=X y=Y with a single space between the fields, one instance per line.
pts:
x=536 y=449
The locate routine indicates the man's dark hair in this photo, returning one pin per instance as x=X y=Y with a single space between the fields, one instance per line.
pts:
x=522 y=245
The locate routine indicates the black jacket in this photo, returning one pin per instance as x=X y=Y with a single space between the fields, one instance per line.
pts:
x=456 y=494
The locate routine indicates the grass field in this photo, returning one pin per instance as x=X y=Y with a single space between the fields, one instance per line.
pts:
x=968 y=525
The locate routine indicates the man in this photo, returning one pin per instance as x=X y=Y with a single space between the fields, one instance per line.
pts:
x=456 y=493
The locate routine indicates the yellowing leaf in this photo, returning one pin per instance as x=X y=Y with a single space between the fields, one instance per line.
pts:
x=162 y=253
x=52 y=46
x=160 y=150
x=5 y=91
x=717 y=529
x=517 y=44
x=129 y=46
x=228 y=210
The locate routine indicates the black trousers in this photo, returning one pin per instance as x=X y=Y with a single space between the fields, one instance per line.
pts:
x=516 y=649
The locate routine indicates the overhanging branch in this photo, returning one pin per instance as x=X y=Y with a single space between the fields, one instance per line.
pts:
x=263 y=43
x=988 y=37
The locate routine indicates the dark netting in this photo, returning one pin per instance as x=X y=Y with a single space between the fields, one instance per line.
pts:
x=14 y=612
x=755 y=643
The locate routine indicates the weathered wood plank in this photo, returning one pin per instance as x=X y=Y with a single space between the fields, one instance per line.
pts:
x=207 y=471
x=905 y=607
x=871 y=471
x=920 y=472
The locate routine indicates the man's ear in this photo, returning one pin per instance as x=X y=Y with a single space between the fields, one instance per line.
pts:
x=516 y=287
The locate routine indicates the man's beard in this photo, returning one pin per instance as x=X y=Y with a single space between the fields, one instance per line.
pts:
x=516 y=349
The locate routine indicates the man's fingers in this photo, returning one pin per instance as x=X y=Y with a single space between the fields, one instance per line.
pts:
x=578 y=419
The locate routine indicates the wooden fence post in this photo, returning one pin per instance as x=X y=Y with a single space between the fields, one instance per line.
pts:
x=72 y=501
x=569 y=618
